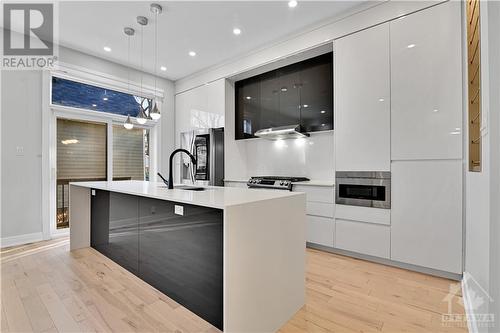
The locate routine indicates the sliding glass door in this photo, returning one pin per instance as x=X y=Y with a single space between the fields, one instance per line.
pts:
x=81 y=156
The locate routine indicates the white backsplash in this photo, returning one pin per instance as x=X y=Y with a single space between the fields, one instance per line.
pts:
x=310 y=157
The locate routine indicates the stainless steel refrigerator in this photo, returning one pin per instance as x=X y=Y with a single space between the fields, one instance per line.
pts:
x=207 y=145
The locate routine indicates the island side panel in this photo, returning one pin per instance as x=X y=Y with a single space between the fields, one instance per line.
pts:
x=264 y=263
x=79 y=217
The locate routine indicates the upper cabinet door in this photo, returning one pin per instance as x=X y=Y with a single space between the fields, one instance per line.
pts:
x=426 y=83
x=362 y=97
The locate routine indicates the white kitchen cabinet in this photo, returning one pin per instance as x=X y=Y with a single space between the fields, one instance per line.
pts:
x=320 y=230
x=426 y=84
x=365 y=238
x=363 y=214
x=426 y=214
x=324 y=194
x=362 y=101
x=320 y=209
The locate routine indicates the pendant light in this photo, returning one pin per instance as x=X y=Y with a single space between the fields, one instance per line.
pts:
x=129 y=32
x=141 y=117
x=155 y=9
x=128 y=123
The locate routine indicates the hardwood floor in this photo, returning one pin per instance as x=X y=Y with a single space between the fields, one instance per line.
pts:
x=46 y=288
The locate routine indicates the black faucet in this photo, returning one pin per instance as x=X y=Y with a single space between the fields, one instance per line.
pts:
x=170 y=176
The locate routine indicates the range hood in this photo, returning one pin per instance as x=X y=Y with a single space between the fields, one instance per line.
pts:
x=281 y=132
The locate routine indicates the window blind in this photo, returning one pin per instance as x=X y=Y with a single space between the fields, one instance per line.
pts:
x=128 y=153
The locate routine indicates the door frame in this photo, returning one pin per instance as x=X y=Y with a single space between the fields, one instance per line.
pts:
x=50 y=114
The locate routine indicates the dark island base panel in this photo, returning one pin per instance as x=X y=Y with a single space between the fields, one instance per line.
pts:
x=182 y=256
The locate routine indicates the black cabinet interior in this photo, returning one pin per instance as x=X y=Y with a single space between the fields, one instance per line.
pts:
x=182 y=256
x=301 y=93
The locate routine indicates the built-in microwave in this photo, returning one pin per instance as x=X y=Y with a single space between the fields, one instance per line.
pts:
x=363 y=188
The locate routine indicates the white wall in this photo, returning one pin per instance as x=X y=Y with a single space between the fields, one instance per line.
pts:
x=21 y=126
x=494 y=121
x=483 y=189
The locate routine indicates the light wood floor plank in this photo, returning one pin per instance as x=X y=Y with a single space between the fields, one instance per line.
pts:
x=49 y=289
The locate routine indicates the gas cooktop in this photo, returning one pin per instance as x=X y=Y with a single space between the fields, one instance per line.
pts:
x=274 y=182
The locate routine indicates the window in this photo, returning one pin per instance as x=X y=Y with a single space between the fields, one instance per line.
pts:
x=85 y=96
x=130 y=153
x=94 y=146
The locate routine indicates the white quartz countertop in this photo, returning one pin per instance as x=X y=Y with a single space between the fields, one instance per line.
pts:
x=213 y=196
x=312 y=182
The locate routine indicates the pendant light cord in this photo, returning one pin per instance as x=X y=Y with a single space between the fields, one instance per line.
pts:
x=142 y=61
x=128 y=62
x=156 y=48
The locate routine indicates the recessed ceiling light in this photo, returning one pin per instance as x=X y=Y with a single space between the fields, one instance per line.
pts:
x=248 y=97
x=322 y=124
x=381 y=99
x=292 y=3
x=163 y=68
x=107 y=49
x=236 y=31
x=192 y=53
x=323 y=111
x=411 y=46
x=94 y=105
x=306 y=105
x=104 y=98
x=284 y=89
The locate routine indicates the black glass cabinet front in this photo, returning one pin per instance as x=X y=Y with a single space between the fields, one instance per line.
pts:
x=180 y=255
x=297 y=94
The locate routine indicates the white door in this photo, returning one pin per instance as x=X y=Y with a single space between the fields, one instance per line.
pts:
x=362 y=101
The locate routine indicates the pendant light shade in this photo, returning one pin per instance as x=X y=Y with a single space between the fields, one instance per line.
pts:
x=128 y=123
x=155 y=113
x=141 y=117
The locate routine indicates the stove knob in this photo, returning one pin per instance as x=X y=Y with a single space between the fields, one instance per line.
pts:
x=281 y=183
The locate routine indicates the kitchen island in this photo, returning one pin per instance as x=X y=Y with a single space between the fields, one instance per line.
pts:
x=235 y=257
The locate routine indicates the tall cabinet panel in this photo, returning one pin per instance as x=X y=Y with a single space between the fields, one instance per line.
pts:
x=362 y=109
x=426 y=84
x=426 y=138
x=426 y=214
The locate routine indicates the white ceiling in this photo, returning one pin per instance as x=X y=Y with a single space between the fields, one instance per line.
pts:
x=204 y=27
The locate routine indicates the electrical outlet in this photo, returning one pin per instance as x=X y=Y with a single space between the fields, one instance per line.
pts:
x=179 y=210
x=19 y=151
x=93 y=193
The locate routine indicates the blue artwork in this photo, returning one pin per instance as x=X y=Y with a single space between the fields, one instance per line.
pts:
x=84 y=96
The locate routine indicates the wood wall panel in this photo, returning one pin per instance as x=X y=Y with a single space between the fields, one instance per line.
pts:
x=474 y=83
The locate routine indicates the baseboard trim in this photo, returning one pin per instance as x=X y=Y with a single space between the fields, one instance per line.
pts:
x=21 y=239
x=388 y=262
x=469 y=311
